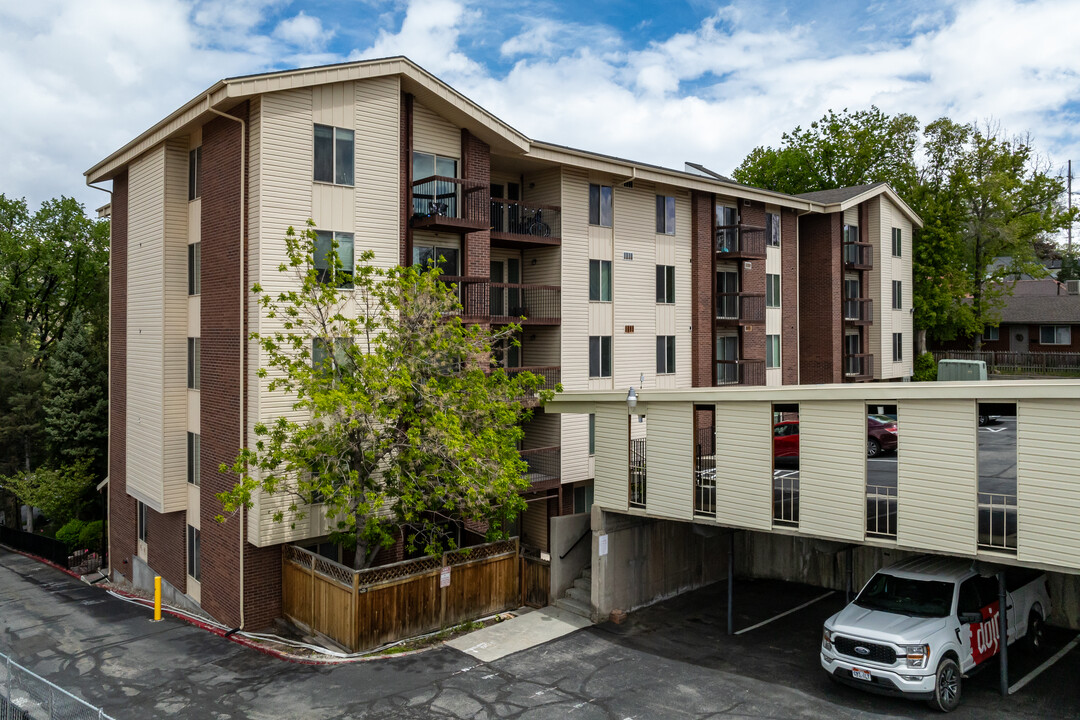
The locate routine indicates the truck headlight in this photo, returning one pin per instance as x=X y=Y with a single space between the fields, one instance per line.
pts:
x=826 y=639
x=917 y=655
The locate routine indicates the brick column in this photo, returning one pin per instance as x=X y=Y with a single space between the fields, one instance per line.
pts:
x=702 y=312
x=752 y=340
x=476 y=166
x=789 y=295
x=821 y=281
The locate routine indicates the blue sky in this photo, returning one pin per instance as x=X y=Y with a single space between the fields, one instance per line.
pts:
x=658 y=82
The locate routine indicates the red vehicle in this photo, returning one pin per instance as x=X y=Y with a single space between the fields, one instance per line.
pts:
x=880 y=437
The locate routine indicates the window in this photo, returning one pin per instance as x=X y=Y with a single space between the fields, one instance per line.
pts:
x=897 y=295
x=599 y=356
x=772 y=290
x=600 y=280
x=665 y=284
x=665 y=214
x=583 y=498
x=446 y=258
x=193 y=552
x=851 y=251
x=333 y=155
x=194 y=160
x=990 y=333
x=772 y=229
x=665 y=354
x=435 y=197
x=194 y=454
x=193 y=363
x=326 y=243
x=897 y=347
x=319 y=355
x=194 y=268
x=592 y=434
x=727 y=233
x=1055 y=335
x=772 y=351
x=897 y=241
x=600 y=205
x=141 y=522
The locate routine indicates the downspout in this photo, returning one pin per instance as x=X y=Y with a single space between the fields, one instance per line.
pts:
x=243 y=335
x=108 y=380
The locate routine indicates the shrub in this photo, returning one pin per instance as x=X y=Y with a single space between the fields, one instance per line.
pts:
x=69 y=534
x=925 y=368
x=90 y=537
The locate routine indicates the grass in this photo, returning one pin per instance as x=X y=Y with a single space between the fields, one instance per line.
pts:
x=439 y=637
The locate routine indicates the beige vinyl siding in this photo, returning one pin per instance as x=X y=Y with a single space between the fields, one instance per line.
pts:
x=433 y=134
x=832 y=469
x=534 y=523
x=254 y=251
x=936 y=484
x=669 y=461
x=600 y=238
x=541 y=431
x=611 y=490
x=851 y=216
x=193 y=507
x=574 y=326
x=193 y=416
x=544 y=188
x=194 y=217
x=333 y=207
x=1048 y=482
x=378 y=171
x=333 y=104
x=634 y=219
x=544 y=350
x=744 y=474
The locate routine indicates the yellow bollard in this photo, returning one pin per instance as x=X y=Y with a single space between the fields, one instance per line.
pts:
x=157 y=598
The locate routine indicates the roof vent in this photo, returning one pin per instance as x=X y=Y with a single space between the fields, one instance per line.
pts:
x=1072 y=287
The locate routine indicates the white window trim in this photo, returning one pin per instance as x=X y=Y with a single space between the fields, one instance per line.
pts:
x=1067 y=327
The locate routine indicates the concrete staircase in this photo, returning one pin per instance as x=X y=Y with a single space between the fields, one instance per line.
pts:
x=578 y=597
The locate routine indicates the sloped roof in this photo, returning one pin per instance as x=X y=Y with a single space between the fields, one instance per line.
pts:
x=1036 y=309
x=839 y=195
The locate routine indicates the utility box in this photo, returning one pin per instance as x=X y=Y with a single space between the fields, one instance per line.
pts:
x=957 y=370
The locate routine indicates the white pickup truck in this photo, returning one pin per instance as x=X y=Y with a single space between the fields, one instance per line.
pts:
x=918 y=627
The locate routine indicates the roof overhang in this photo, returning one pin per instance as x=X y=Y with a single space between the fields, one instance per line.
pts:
x=883 y=189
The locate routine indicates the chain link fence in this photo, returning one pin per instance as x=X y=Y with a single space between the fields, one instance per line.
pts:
x=26 y=696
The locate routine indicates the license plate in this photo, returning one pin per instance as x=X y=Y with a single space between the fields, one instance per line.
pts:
x=861 y=674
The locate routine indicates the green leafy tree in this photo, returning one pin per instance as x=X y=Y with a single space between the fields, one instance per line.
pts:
x=21 y=416
x=401 y=427
x=60 y=494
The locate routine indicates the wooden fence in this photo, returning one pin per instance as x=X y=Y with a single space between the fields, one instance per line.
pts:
x=363 y=609
x=535 y=581
x=1042 y=363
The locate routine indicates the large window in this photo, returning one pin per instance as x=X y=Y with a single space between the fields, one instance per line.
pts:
x=326 y=244
x=333 y=155
x=194 y=269
x=897 y=295
x=772 y=229
x=665 y=354
x=665 y=214
x=599 y=356
x=194 y=160
x=897 y=241
x=1055 y=335
x=193 y=363
x=772 y=290
x=772 y=351
x=435 y=197
x=990 y=333
x=897 y=347
x=851 y=251
x=727 y=238
x=445 y=258
x=140 y=521
x=665 y=284
x=193 y=552
x=600 y=280
x=320 y=355
x=600 y=205
x=194 y=454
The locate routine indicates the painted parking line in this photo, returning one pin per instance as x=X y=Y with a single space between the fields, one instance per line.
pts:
x=787 y=612
x=1035 y=673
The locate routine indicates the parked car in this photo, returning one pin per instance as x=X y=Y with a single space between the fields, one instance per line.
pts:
x=920 y=626
x=881 y=436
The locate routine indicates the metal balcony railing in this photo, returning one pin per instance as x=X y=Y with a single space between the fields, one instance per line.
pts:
x=881 y=510
x=740 y=241
x=537 y=304
x=858 y=311
x=545 y=465
x=472 y=292
x=997 y=521
x=637 y=473
x=705 y=472
x=740 y=372
x=786 y=498
x=445 y=203
x=740 y=308
x=859 y=366
x=519 y=222
x=858 y=256
x=550 y=374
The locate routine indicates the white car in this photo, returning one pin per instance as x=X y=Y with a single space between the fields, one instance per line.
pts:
x=919 y=626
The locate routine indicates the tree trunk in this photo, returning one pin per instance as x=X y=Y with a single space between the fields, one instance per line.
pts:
x=920 y=342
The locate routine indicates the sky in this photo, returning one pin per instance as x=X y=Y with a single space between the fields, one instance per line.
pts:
x=659 y=82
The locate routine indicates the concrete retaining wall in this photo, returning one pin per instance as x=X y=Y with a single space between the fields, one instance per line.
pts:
x=565 y=531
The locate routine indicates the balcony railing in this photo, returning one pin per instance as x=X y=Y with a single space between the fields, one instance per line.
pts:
x=858 y=311
x=550 y=374
x=859 y=366
x=881 y=510
x=740 y=372
x=545 y=466
x=997 y=521
x=705 y=472
x=858 y=256
x=451 y=204
x=637 y=473
x=740 y=308
x=537 y=304
x=473 y=294
x=786 y=498
x=520 y=224
x=740 y=241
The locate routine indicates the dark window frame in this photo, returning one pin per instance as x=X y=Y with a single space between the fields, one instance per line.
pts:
x=898 y=347
x=772 y=362
x=596 y=280
x=601 y=205
x=140 y=521
x=194 y=268
x=665 y=355
x=194 y=166
x=600 y=362
x=665 y=214
x=340 y=172
x=772 y=229
x=321 y=256
x=897 y=295
x=194 y=363
x=194 y=459
x=194 y=548
x=665 y=284
x=897 y=241
x=772 y=290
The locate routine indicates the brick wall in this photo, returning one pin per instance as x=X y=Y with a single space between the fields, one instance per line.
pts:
x=702 y=207
x=166 y=546
x=752 y=342
x=123 y=513
x=476 y=165
x=220 y=411
x=1035 y=346
x=821 y=286
x=789 y=300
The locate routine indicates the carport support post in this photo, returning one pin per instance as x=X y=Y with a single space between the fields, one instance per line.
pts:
x=731 y=584
x=1003 y=634
x=850 y=573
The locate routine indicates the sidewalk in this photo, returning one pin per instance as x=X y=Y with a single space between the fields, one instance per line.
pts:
x=520 y=633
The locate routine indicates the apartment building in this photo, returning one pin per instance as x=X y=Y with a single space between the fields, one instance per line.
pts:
x=625 y=275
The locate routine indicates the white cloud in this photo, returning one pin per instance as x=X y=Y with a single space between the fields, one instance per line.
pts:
x=303 y=31
x=429 y=37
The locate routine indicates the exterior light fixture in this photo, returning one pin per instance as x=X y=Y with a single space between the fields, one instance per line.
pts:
x=631 y=398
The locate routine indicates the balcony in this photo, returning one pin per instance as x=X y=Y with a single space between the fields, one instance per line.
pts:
x=473 y=294
x=517 y=224
x=858 y=311
x=858 y=256
x=740 y=309
x=637 y=473
x=551 y=375
x=859 y=367
x=740 y=372
x=449 y=204
x=545 y=467
x=524 y=304
x=740 y=241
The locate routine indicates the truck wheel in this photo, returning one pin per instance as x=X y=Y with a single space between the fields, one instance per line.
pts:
x=1033 y=640
x=946 y=686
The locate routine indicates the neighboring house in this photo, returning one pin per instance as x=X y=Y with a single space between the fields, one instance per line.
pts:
x=627 y=274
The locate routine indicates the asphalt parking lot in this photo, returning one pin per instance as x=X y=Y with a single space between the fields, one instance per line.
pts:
x=673 y=660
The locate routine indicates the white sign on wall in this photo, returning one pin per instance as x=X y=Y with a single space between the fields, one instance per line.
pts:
x=603 y=545
x=444 y=578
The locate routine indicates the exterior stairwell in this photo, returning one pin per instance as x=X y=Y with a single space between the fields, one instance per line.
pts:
x=578 y=597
